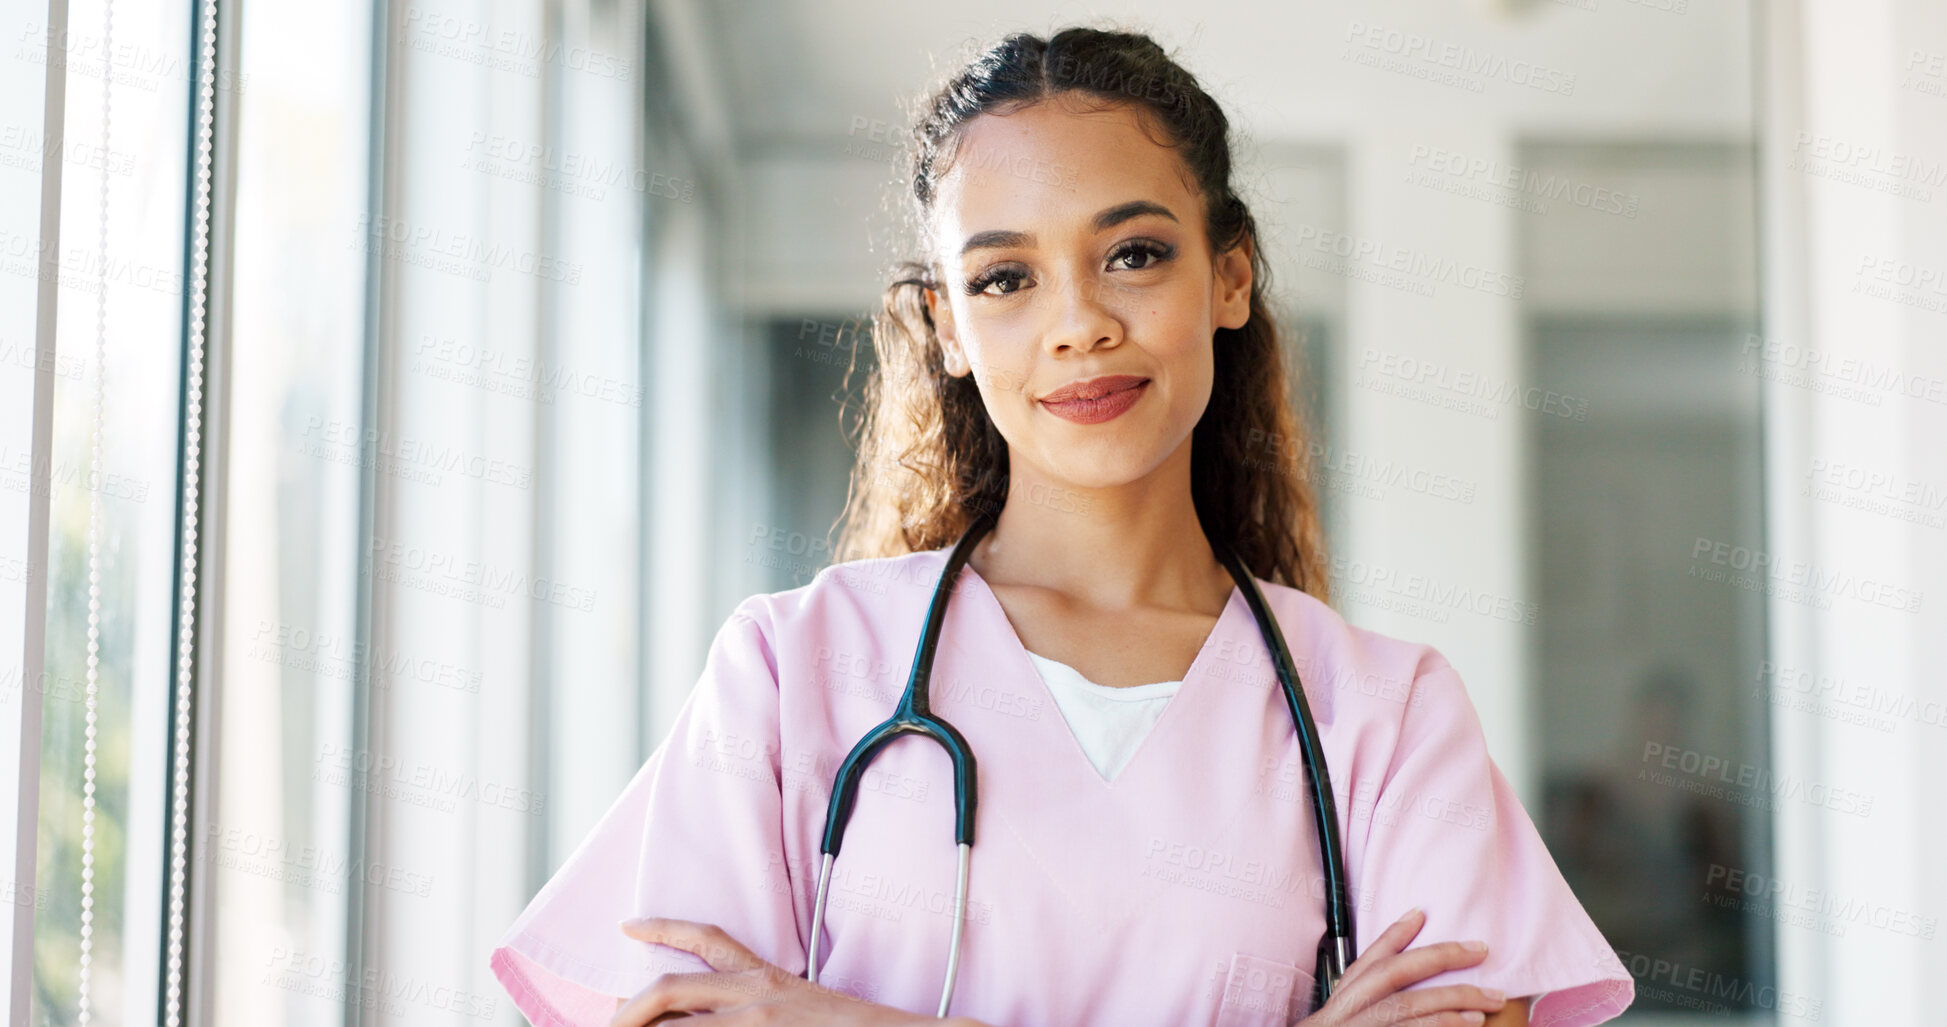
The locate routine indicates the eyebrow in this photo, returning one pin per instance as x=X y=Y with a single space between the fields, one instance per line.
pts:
x=1107 y=219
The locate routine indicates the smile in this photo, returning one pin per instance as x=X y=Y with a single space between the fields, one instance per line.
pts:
x=1096 y=400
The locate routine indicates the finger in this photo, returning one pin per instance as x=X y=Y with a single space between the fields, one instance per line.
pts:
x=1421 y=1003
x=712 y=943
x=688 y=993
x=1468 y=1018
x=1395 y=973
x=1458 y=997
x=1390 y=942
x=1417 y=964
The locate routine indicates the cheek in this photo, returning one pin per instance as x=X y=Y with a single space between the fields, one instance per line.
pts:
x=1192 y=376
x=1183 y=317
x=1002 y=358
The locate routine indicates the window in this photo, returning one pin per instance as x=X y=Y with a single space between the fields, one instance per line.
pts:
x=103 y=693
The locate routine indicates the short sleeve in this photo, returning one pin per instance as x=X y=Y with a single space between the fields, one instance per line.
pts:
x=1447 y=834
x=697 y=835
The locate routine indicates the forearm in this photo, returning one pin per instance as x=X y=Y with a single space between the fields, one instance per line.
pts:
x=1514 y=1014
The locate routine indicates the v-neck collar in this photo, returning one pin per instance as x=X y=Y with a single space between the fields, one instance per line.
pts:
x=1190 y=693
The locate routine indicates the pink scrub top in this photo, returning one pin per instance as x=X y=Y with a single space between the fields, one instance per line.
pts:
x=1187 y=891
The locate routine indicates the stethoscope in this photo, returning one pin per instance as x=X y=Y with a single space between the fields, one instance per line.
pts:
x=914 y=716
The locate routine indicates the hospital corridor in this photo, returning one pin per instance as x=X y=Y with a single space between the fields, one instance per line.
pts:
x=847 y=511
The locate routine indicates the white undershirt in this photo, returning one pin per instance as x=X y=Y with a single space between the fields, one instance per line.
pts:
x=1107 y=721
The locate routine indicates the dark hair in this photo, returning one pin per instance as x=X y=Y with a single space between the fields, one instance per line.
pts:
x=929 y=459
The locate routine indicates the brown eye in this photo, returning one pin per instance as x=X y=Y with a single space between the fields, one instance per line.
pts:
x=1149 y=254
x=1009 y=276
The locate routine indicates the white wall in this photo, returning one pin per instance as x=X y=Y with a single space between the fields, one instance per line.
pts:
x=1856 y=106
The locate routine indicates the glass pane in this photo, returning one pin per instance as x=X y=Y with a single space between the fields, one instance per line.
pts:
x=811 y=462
x=397 y=777
x=1301 y=194
x=277 y=845
x=100 y=864
x=1645 y=666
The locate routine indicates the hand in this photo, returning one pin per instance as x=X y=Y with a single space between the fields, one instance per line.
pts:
x=1371 y=992
x=743 y=988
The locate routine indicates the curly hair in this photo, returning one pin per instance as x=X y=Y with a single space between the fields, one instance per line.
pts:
x=929 y=459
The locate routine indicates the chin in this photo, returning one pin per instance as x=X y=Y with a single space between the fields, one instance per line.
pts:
x=1075 y=471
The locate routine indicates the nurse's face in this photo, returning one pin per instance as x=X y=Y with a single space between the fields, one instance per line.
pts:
x=1072 y=248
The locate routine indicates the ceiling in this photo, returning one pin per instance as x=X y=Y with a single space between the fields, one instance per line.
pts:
x=798 y=75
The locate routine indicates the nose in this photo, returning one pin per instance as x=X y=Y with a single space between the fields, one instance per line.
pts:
x=1079 y=314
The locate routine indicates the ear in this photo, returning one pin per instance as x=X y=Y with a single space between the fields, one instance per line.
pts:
x=1231 y=287
x=941 y=310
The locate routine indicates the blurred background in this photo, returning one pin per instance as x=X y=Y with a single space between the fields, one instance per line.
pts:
x=397 y=396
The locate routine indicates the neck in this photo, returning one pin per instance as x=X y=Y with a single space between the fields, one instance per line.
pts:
x=1132 y=545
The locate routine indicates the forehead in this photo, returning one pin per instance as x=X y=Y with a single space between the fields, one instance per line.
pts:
x=1049 y=168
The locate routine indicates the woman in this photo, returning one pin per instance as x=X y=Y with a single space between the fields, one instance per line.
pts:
x=1087 y=354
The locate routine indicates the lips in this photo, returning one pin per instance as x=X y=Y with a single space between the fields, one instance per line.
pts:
x=1093 y=388
x=1095 y=400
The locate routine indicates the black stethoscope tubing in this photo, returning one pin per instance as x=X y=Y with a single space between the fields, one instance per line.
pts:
x=914 y=716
